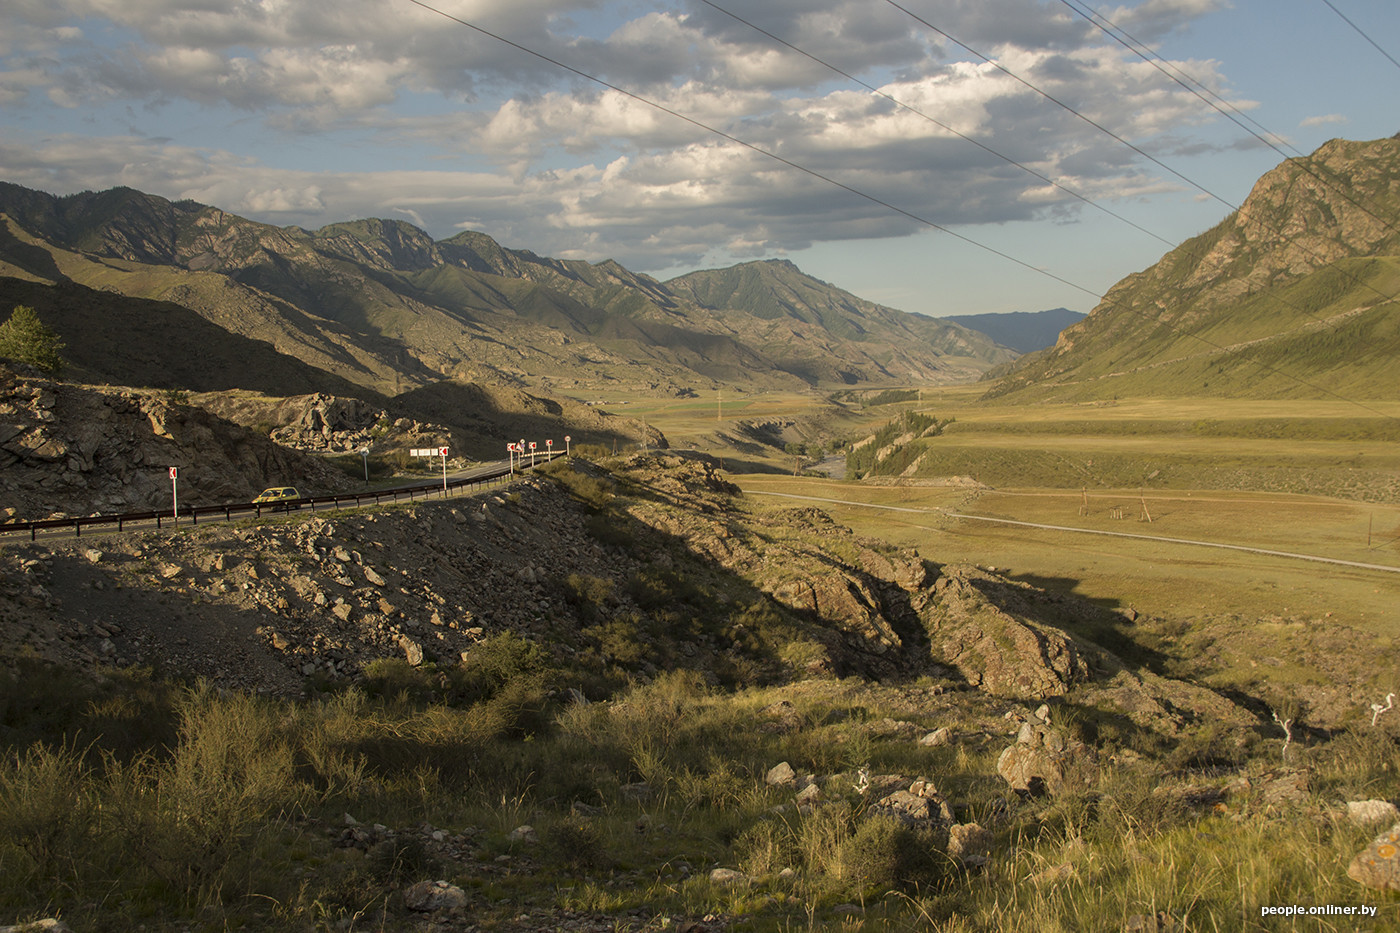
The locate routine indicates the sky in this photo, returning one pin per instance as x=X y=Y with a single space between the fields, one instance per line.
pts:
x=937 y=156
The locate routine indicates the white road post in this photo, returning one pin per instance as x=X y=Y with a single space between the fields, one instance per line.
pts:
x=510 y=452
x=175 y=492
x=443 y=451
x=567 y=438
x=364 y=455
x=532 y=455
x=550 y=444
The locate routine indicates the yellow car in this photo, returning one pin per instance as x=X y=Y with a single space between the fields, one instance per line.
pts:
x=281 y=498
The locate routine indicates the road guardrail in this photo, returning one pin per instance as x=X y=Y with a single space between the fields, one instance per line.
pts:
x=192 y=513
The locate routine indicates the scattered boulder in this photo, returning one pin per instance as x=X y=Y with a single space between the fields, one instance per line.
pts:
x=1378 y=865
x=1041 y=761
x=428 y=896
x=525 y=834
x=1368 y=812
x=919 y=806
x=937 y=737
x=1285 y=788
x=781 y=775
x=727 y=876
x=412 y=651
x=969 y=843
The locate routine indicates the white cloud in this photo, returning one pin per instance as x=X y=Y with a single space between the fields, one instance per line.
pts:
x=577 y=170
x=1329 y=119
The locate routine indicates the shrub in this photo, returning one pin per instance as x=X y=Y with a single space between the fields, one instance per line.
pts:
x=578 y=842
x=588 y=594
x=23 y=337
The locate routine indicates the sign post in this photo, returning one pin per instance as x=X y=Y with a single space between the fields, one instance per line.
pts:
x=567 y=438
x=443 y=451
x=364 y=455
x=175 y=492
x=550 y=445
x=532 y=455
x=510 y=452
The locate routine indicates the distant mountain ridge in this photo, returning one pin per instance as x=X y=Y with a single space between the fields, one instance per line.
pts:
x=380 y=304
x=1294 y=295
x=1022 y=331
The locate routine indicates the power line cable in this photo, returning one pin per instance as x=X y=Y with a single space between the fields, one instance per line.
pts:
x=1361 y=32
x=939 y=123
x=1238 y=209
x=1234 y=115
x=869 y=197
x=761 y=151
x=1095 y=124
x=1059 y=103
x=1224 y=108
x=880 y=93
x=1179 y=75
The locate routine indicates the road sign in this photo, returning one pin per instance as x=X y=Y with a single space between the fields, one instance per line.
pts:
x=174 y=472
x=442 y=451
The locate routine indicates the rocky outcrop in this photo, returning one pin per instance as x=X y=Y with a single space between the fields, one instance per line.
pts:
x=983 y=626
x=1378 y=865
x=77 y=450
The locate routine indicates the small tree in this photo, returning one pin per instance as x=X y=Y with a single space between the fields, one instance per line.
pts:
x=25 y=338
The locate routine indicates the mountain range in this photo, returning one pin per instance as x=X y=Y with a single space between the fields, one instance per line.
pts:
x=148 y=291
x=1291 y=296
x=1022 y=331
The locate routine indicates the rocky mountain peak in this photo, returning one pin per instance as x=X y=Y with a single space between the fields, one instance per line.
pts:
x=1289 y=264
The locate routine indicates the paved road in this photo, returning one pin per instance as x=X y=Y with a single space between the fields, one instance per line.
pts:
x=426 y=485
x=1089 y=531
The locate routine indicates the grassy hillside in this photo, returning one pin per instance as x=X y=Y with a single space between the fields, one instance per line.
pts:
x=1293 y=296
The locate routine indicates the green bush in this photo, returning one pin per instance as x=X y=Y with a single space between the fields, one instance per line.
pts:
x=588 y=594
x=24 y=338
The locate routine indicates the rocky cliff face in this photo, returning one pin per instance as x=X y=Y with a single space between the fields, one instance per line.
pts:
x=78 y=450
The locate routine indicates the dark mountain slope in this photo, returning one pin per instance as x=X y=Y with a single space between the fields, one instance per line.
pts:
x=379 y=303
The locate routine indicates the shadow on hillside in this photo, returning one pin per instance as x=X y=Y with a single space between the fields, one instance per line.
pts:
x=485 y=420
x=119 y=340
x=1055 y=605
x=838 y=582
x=738 y=466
